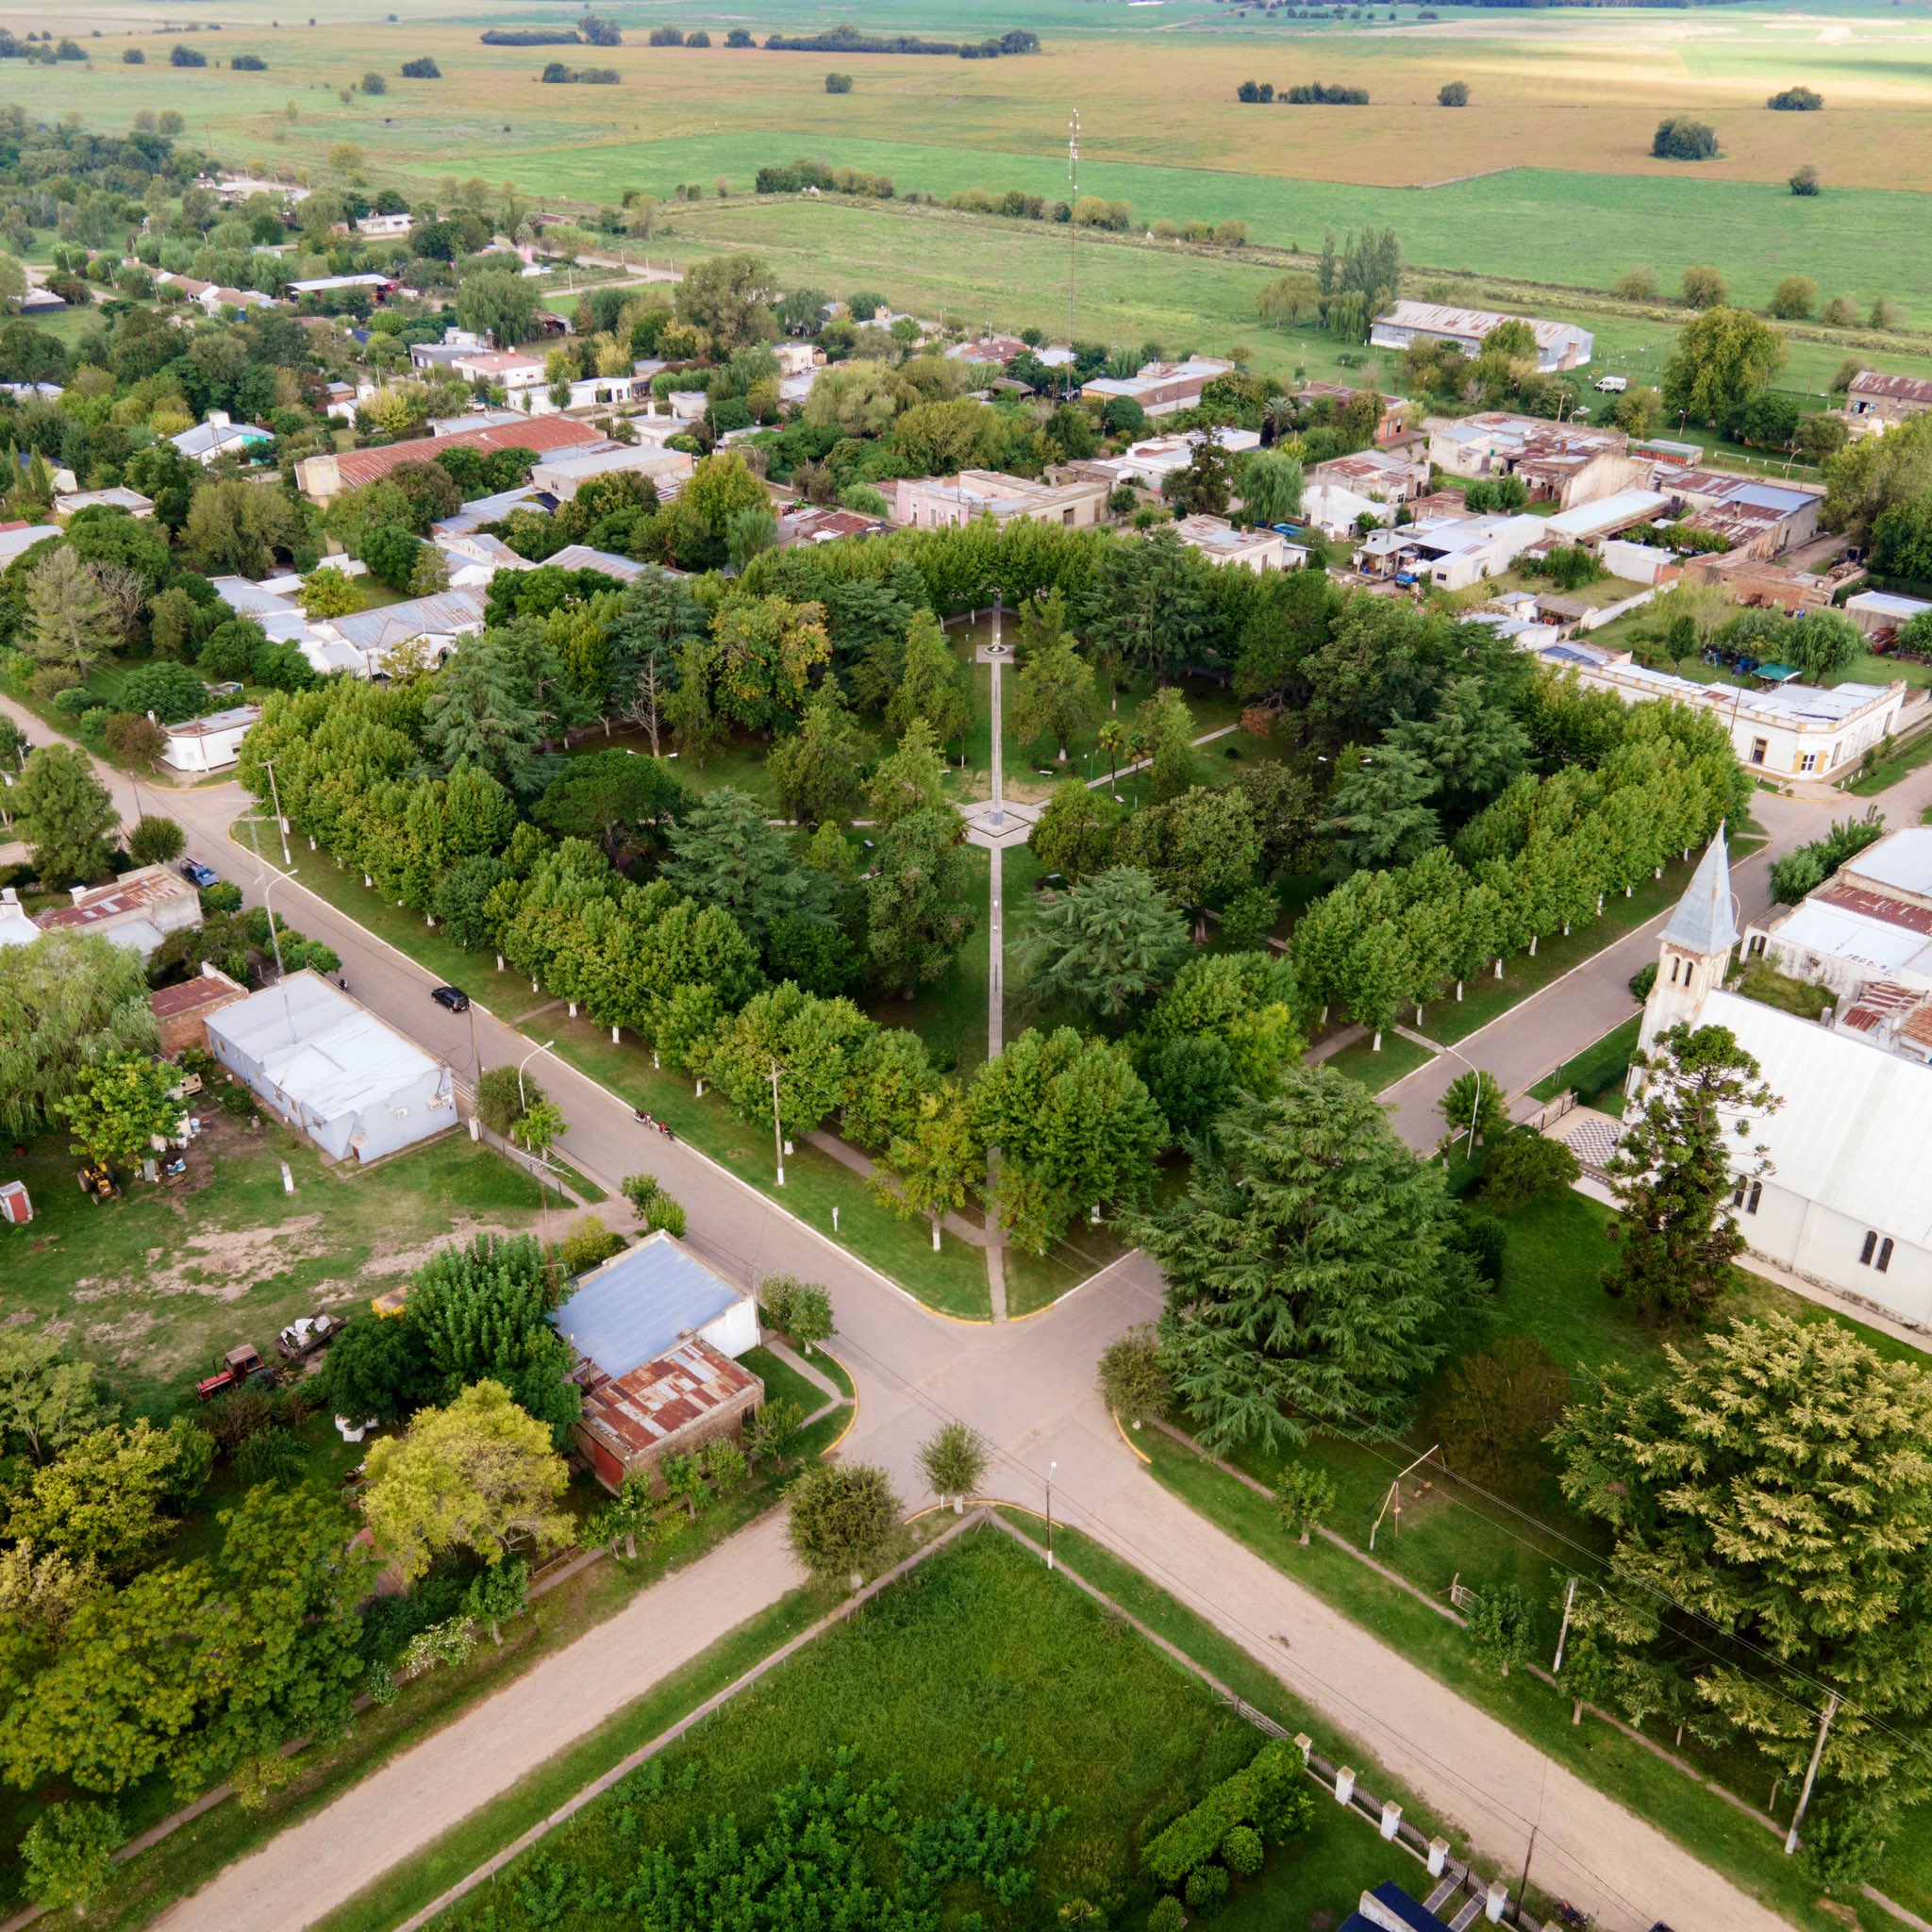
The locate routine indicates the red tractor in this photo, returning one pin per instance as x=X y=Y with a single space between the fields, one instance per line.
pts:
x=239 y=1365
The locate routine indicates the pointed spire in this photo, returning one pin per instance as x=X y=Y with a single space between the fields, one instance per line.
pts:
x=1704 y=920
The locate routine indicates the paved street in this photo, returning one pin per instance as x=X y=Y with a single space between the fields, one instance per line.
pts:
x=1028 y=1387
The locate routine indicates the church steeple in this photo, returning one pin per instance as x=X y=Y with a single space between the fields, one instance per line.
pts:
x=1695 y=948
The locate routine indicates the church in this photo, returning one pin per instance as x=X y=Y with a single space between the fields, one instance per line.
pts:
x=1847 y=1201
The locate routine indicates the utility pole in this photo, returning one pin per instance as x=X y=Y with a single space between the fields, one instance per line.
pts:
x=777 y=1131
x=1523 y=1884
x=1050 y=1467
x=1563 y=1635
x=1810 y=1774
x=268 y=765
x=1073 y=196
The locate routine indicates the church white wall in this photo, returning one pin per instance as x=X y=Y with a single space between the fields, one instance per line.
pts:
x=1820 y=1242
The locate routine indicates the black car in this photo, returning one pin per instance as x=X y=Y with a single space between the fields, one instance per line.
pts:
x=457 y=1001
x=199 y=875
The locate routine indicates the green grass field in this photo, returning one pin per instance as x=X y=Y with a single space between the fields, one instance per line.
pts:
x=978 y=1672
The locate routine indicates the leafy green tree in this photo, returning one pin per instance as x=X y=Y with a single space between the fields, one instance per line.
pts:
x=1527 y=1167
x=1681 y=139
x=1502 y=1627
x=816 y=767
x=725 y=853
x=1133 y=1374
x=1313 y=1274
x=1723 y=356
x=1167 y=728
x=65 y=815
x=1076 y=1126
x=1821 y=645
x=1202 y=847
x=48 y=1401
x=1108 y=944
x=1303 y=1498
x=1052 y=695
x=539 y=1124
x=889 y=1071
x=841 y=1519
x=767 y=650
x=478 y=1474
x=1151 y=606
x=121 y=1106
x=932 y=1165
x=1472 y=1106
x=478 y=1312
x=1684 y=1149
x=107 y=1496
x=1075 y=834
x=1383 y=815
x=67 y=1854
x=1494 y=1407
x=953 y=1460
x=810 y=1041
x=684 y=1478
x=1270 y=486
x=919 y=899
x=629 y=1514
x=499 y=304
x=935 y=685
x=66 y=1001
x=911 y=780
x=497 y=1594
x=802 y=1310
x=1708 y=1480
x=377 y=1370
x=729 y=298
x=156 y=840
x=769 y=1433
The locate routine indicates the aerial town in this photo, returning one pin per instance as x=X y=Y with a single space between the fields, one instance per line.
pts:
x=954 y=977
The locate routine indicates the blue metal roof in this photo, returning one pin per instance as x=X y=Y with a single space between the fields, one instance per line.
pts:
x=1410 y=1911
x=639 y=1305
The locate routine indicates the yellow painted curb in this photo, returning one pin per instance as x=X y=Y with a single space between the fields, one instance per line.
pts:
x=853 y=1419
x=1127 y=1439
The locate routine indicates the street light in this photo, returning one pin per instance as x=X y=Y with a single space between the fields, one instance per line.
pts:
x=268 y=765
x=1050 y=1467
x=523 y=1105
x=778 y=1130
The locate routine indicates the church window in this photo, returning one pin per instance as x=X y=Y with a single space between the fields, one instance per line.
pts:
x=1870 y=1248
x=1885 y=1254
x=1756 y=1195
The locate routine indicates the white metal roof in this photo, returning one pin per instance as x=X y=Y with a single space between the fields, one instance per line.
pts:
x=1902 y=859
x=1855 y=1122
x=1616 y=511
x=1837 y=932
x=321 y=1047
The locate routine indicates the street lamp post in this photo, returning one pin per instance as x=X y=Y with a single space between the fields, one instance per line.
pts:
x=1050 y=1467
x=523 y=1104
x=778 y=1127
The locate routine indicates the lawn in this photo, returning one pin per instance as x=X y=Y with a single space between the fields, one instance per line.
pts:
x=1516 y=1528
x=1360 y=1062
x=1771 y=987
x=1893 y=765
x=979 y=1672
x=156 y=1284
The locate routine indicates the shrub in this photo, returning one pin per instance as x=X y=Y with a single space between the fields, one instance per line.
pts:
x=1207 y=1887
x=1167 y=1915
x=1134 y=1378
x=271 y=1455
x=423 y=68
x=1634 y=285
x=1524 y=1168
x=498 y=1105
x=1502 y=1627
x=739 y=36
x=134 y=57
x=1241 y=1851
x=838 y=83
x=1318 y=93
x=249 y=63
x=1702 y=286
x=1795 y=298
x=1266 y=1793
x=373 y=83
x=1643 y=980
x=225 y=895
x=666 y=1215
x=171 y=692
x=586 y=1243
x=186 y=57
x=666 y=36
x=700 y=38
x=1796 y=100
x=801 y=1309
x=1681 y=139
x=1303 y=1496
x=67 y=1854
x=1804 y=181
x=156 y=840
x=1454 y=94
x=641 y=1189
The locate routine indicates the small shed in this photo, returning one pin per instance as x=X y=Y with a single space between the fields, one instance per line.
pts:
x=210 y=743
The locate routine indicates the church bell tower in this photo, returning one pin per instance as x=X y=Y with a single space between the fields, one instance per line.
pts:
x=1695 y=949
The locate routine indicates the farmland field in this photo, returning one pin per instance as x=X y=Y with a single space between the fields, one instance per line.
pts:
x=1546 y=174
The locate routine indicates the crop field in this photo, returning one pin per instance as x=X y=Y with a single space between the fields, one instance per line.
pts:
x=1545 y=175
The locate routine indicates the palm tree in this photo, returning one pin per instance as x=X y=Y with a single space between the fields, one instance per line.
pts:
x=1112 y=739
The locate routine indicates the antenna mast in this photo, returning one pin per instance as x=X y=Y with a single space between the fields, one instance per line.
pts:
x=1073 y=198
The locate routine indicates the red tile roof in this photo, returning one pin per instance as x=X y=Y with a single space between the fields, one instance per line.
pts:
x=540 y=433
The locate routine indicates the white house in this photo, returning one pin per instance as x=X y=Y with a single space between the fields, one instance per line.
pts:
x=1335 y=510
x=564 y=474
x=1222 y=541
x=326 y=1064
x=208 y=441
x=435 y=624
x=1148 y=464
x=210 y=743
x=1844 y=1202
x=1871 y=921
x=21 y=537
x=1451 y=552
x=119 y=497
x=1792 y=731
x=17 y=927
x=1877 y=612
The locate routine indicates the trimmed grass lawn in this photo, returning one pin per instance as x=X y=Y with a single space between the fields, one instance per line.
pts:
x=1892 y=766
x=783 y=1382
x=1517 y=1529
x=156 y=1284
x=1770 y=987
x=1398 y=1058
x=1596 y=1074
x=979 y=1672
